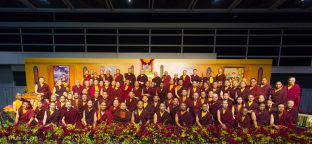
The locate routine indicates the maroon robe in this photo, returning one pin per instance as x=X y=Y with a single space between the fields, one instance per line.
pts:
x=108 y=89
x=60 y=90
x=206 y=119
x=176 y=81
x=236 y=110
x=97 y=102
x=142 y=78
x=173 y=111
x=279 y=97
x=171 y=89
x=39 y=114
x=207 y=79
x=53 y=118
x=195 y=78
x=92 y=90
x=186 y=81
x=117 y=93
x=185 y=100
x=262 y=117
x=89 y=115
x=221 y=77
x=109 y=78
x=168 y=103
x=164 y=119
x=255 y=91
x=283 y=120
x=45 y=90
x=216 y=90
x=137 y=92
x=77 y=89
x=192 y=91
x=244 y=94
x=294 y=94
x=113 y=109
x=166 y=80
x=86 y=78
x=131 y=104
x=105 y=117
x=227 y=117
x=252 y=107
x=151 y=91
x=213 y=108
x=265 y=90
x=194 y=109
x=119 y=78
x=72 y=117
x=157 y=81
x=81 y=107
x=125 y=91
x=25 y=117
x=185 y=119
x=142 y=118
x=244 y=123
x=162 y=93
x=293 y=115
x=131 y=77
x=122 y=117
x=203 y=101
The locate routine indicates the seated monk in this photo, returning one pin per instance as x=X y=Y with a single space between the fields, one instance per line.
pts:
x=60 y=104
x=238 y=107
x=260 y=116
x=225 y=116
x=292 y=112
x=131 y=101
x=243 y=119
x=203 y=117
x=39 y=114
x=103 y=115
x=203 y=98
x=52 y=116
x=115 y=107
x=280 y=119
x=261 y=99
x=139 y=115
x=71 y=116
x=251 y=105
x=161 y=116
x=25 y=114
x=122 y=115
x=214 y=105
x=45 y=104
x=183 y=118
x=18 y=102
x=174 y=109
x=226 y=96
x=88 y=114
x=43 y=89
x=195 y=104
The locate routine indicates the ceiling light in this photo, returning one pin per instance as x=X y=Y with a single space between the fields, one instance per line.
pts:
x=129 y=1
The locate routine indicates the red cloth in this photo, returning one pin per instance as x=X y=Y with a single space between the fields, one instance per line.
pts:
x=92 y=90
x=119 y=78
x=166 y=80
x=25 y=117
x=104 y=117
x=294 y=94
x=186 y=81
x=45 y=90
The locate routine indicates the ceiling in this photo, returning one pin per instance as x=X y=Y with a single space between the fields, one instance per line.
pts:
x=157 y=5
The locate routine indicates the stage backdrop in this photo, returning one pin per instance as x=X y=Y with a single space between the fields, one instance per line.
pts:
x=71 y=69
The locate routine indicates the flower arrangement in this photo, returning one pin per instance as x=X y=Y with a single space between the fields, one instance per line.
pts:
x=115 y=133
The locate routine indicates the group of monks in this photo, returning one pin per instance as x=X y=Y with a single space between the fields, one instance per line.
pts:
x=184 y=101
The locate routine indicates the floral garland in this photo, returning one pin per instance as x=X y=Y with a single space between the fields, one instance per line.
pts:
x=146 y=61
x=115 y=133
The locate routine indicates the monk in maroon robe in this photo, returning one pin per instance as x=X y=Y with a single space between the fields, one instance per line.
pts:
x=108 y=77
x=25 y=114
x=214 y=105
x=130 y=76
x=203 y=98
x=122 y=115
x=117 y=93
x=43 y=89
x=243 y=119
x=126 y=88
x=203 y=117
x=118 y=77
x=183 y=118
x=195 y=76
x=103 y=115
x=148 y=90
x=238 y=107
x=186 y=79
x=169 y=100
x=293 y=92
x=226 y=89
x=220 y=76
x=260 y=116
x=174 y=109
x=137 y=90
x=162 y=92
x=77 y=88
x=251 y=105
x=215 y=89
x=71 y=116
x=185 y=99
x=82 y=104
x=166 y=78
x=292 y=112
x=279 y=94
x=139 y=115
x=86 y=76
x=280 y=119
x=179 y=88
x=95 y=88
x=270 y=107
x=265 y=88
x=39 y=114
x=208 y=78
x=225 y=116
x=61 y=105
x=226 y=97
x=156 y=80
x=107 y=88
x=176 y=79
x=142 y=78
x=195 y=105
x=154 y=105
x=131 y=102
x=52 y=115
x=254 y=89
x=194 y=88
x=88 y=114
x=97 y=100
x=115 y=107
x=161 y=116
x=59 y=88
x=243 y=91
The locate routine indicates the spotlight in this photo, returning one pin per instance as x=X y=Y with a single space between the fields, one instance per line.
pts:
x=129 y=1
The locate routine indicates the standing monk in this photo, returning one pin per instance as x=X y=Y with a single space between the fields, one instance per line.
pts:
x=156 y=80
x=220 y=76
x=293 y=92
x=118 y=77
x=43 y=89
x=254 y=89
x=195 y=76
x=279 y=94
x=130 y=76
x=186 y=79
x=265 y=88
x=142 y=78
x=166 y=79
x=77 y=88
